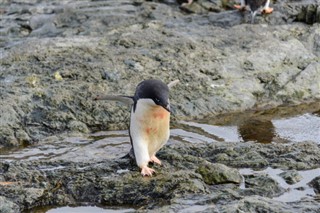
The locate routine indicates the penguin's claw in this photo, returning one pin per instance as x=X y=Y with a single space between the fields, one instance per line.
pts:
x=154 y=159
x=146 y=171
x=267 y=10
x=239 y=7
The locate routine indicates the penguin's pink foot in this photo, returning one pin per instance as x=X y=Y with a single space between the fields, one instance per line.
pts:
x=239 y=7
x=267 y=10
x=146 y=171
x=154 y=159
x=188 y=3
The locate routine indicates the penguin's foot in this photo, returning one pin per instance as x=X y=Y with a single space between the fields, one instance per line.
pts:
x=267 y=10
x=239 y=7
x=154 y=159
x=146 y=171
x=188 y=3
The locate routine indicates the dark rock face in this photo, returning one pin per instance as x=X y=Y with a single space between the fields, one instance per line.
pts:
x=315 y=183
x=57 y=56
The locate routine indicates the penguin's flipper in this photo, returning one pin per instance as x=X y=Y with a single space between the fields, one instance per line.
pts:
x=267 y=10
x=173 y=83
x=123 y=99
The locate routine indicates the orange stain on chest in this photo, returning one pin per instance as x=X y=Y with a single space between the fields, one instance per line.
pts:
x=160 y=113
x=150 y=130
x=158 y=118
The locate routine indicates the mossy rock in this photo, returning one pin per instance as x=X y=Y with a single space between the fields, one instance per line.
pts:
x=218 y=174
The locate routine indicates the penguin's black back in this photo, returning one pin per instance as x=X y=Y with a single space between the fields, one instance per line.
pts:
x=255 y=4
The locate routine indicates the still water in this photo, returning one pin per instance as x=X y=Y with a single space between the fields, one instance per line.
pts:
x=281 y=125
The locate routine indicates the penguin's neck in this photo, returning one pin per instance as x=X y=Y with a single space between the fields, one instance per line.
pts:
x=147 y=110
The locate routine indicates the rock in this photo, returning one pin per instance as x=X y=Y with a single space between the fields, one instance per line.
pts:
x=262 y=185
x=257 y=203
x=315 y=183
x=7 y=206
x=33 y=194
x=186 y=179
x=223 y=63
x=291 y=177
x=218 y=174
x=76 y=126
x=7 y=137
x=105 y=53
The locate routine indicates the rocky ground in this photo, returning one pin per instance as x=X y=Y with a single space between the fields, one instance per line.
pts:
x=201 y=177
x=56 y=56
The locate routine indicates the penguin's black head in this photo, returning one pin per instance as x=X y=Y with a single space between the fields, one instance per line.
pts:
x=155 y=90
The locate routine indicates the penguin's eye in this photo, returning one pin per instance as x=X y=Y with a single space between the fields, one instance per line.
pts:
x=157 y=100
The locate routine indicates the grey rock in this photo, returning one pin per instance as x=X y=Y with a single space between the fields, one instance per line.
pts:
x=277 y=63
x=262 y=204
x=218 y=174
x=185 y=180
x=223 y=64
x=315 y=183
x=7 y=206
x=291 y=177
x=262 y=185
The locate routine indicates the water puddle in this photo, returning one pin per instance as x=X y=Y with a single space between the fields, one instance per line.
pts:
x=280 y=125
x=294 y=192
x=95 y=147
x=79 y=209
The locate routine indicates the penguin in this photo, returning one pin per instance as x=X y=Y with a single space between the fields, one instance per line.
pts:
x=255 y=5
x=184 y=2
x=149 y=120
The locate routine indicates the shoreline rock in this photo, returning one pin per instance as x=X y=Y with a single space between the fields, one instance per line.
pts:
x=117 y=182
x=221 y=69
x=56 y=56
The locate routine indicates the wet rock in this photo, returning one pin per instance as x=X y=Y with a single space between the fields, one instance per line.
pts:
x=262 y=204
x=161 y=188
x=315 y=183
x=243 y=156
x=218 y=174
x=250 y=155
x=186 y=179
x=262 y=185
x=7 y=206
x=105 y=54
x=291 y=177
x=309 y=13
x=223 y=65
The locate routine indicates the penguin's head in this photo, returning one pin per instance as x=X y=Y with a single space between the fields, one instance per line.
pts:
x=154 y=90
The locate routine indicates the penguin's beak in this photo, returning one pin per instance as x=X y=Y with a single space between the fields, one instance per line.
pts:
x=167 y=107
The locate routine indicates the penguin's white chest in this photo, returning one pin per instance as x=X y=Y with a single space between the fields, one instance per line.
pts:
x=149 y=126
